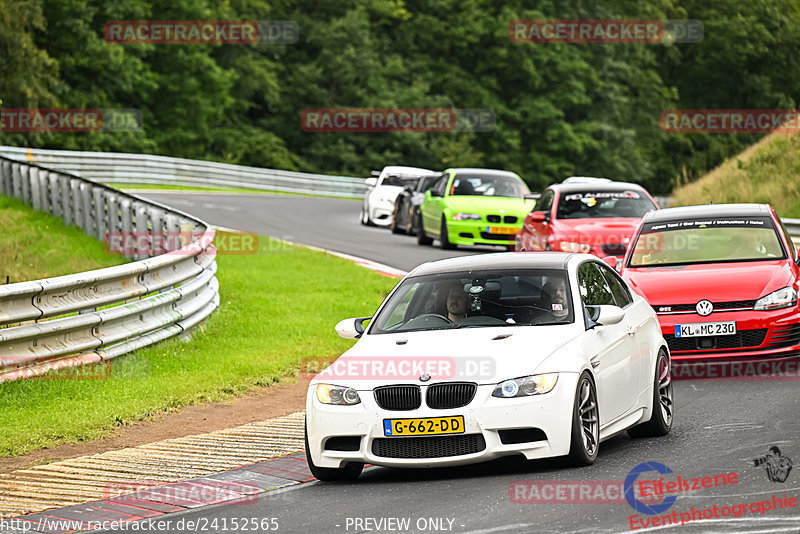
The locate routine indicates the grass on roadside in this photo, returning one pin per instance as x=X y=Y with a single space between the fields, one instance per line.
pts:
x=278 y=308
x=36 y=245
x=767 y=172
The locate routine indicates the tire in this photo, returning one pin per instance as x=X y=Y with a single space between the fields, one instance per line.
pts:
x=585 y=440
x=365 y=220
x=444 y=239
x=347 y=473
x=410 y=224
x=394 y=227
x=660 y=422
x=422 y=237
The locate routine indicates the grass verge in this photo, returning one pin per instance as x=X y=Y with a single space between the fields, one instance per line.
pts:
x=767 y=172
x=277 y=309
x=36 y=245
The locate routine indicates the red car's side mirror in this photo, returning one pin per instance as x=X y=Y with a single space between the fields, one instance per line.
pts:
x=611 y=261
x=538 y=216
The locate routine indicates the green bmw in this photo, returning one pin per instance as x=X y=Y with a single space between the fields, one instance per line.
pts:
x=474 y=207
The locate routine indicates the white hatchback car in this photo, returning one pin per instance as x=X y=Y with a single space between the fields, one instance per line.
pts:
x=474 y=358
x=378 y=206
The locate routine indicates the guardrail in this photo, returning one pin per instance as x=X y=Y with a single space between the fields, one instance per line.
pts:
x=57 y=322
x=112 y=167
x=793 y=227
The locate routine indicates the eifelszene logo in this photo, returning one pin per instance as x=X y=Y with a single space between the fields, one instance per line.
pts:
x=630 y=495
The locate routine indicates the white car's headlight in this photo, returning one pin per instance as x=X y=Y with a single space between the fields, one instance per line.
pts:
x=466 y=217
x=782 y=298
x=330 y=394
x=569 y=246
x=526 y=386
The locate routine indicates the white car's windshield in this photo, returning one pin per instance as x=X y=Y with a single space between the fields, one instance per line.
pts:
x=477 y=299
x=706 y=241
x=603 y=204
x=399 y=180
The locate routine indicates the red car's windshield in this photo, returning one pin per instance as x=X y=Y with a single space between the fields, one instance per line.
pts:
x=707 y=241
x=603 y=204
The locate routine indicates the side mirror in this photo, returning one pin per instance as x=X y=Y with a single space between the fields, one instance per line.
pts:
x=371 y=182
x=604 y=315
x=435 y=193
x=610 y=315
x=351 y=328
x=611 y=261
x=538 y=216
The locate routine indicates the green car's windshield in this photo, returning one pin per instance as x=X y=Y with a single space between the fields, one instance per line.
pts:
x=487 y=185
x=603 y=204
x=706 y=241
x=477 y=299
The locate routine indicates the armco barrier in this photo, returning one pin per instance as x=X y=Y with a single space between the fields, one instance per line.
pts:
x=122 y=168
x=146 y=301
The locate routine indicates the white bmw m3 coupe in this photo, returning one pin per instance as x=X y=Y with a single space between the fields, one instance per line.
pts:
x=473 y=358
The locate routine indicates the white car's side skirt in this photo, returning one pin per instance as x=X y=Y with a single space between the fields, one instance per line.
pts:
x=622 y=424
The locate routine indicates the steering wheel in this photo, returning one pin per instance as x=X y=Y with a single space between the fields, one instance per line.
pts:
x=432 y=315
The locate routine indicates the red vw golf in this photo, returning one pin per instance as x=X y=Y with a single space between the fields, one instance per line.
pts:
x=592 y=215
x=722 y=278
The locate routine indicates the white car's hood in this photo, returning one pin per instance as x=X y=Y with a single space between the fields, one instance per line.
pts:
x=481 y=355
x=388 y=192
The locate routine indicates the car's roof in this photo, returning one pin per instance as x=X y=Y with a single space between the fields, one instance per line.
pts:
x=467 y=170
x=708 y=210
x=399 y=169
x=507 y=260
x=596 y=186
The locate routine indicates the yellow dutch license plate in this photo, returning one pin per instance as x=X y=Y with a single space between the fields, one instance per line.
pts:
x=502 y=229
x=421 y=427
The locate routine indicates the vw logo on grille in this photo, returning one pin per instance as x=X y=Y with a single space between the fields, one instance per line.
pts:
x=704 y=308
x=425 y=377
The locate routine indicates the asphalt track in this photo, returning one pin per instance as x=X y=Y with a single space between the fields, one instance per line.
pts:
x=321 y=222
x=721 y=426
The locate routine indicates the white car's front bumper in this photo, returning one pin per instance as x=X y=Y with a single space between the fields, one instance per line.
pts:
x=381 y=215
x=484 y=415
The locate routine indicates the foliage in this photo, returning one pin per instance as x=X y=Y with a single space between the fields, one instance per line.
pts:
x=561 y=109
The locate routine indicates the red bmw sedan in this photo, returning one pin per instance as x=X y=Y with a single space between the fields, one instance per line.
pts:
x=722 y=278
x=592 y=215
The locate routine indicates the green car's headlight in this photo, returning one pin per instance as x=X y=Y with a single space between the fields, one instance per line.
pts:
x=526 y=386
x=466 y=217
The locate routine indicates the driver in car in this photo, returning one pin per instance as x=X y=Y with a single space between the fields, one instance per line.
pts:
x=457 y=303
x=555 y=294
